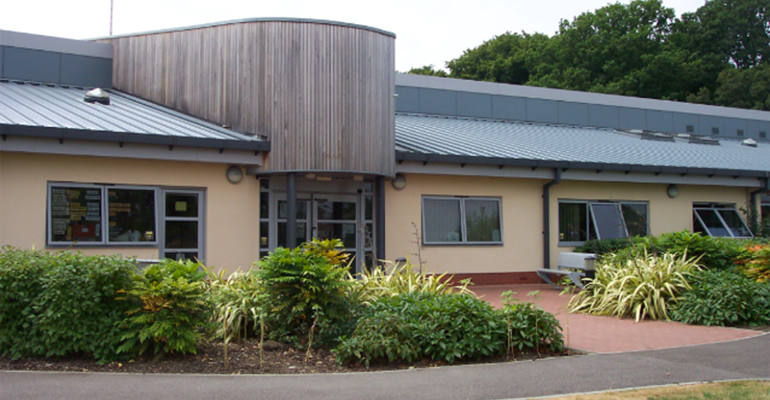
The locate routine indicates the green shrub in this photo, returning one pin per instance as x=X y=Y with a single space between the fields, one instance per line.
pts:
x=601 y=247
x=642 y=287
x=55 y=304
x=170 y=309
x=724 y=298
x=755 y=262
x=714 y=252
x=445 y=327
x=401 y=279
x=305 y=294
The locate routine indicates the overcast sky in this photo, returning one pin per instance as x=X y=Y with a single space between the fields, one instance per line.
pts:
x=427 y=31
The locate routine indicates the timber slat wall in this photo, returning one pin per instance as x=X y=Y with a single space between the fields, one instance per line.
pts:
x=321 y=93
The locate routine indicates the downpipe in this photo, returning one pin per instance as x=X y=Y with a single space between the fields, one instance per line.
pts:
x=547 y=217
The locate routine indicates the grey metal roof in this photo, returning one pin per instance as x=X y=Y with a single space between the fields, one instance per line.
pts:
x=465 y=140
x=43 y=110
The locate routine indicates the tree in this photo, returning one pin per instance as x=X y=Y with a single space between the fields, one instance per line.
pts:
x=746 y=88
x=428 y=70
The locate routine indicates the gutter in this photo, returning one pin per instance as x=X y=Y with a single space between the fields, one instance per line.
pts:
x=547 y=217
x=753 y=198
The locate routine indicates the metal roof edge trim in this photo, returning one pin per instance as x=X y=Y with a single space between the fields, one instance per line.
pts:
x=423 y=157
x=130 y=137
x=33 y=41
x=245 y=20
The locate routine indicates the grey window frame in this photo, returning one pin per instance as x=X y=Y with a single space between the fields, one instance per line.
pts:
x=717 y=208
x=104 y=228
x=201 y=219
x=587 y=204
x=463 y=228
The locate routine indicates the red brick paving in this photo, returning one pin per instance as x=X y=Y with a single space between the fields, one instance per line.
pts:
x=609 y=334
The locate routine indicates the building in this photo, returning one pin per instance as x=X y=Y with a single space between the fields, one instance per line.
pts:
x=225 y=141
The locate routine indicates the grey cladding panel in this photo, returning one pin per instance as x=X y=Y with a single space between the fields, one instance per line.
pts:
x=660 y=121
x=2 y=50
x=408 y=99
x=86 y=71
x=31 y=65
x=603 y=116
x=508 y=107
x=474 y=105
x=683 y=120
x=573 y=113
x=755 y=127
x=706 y=123
x=632 y=118
x=542 y=111
x=433 y=101
x=732 y=125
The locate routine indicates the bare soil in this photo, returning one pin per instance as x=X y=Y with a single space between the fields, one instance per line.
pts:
x=242 y=358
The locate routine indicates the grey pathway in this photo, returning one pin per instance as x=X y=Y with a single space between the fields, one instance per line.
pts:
x=745 y=358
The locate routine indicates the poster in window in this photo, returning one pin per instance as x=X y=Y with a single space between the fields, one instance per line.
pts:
x=76 y=214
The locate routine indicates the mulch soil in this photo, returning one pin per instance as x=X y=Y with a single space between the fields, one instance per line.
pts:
x=243 y=358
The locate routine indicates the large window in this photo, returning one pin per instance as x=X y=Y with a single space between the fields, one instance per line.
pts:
x=101 y=214
x=461 y=220
x=718 y=220
x=581 y=220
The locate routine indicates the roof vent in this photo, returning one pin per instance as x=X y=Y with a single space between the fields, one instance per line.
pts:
x=703 y=140
x=749 y=142
x=97 y=96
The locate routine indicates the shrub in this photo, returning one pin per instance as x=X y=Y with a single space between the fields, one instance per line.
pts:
x=724 y=298
x=238 y=302
x=305 y=294
x=170 y=310
x=55 y=304
x=601 y=247
x=714 y=252
x=643 y=287
x=402 y=279
x=445 y=327
x=755 y=262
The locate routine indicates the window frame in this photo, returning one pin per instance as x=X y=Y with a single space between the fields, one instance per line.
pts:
x=590 y=218
x=463 y=218
x=716 y=208
x=104 y=215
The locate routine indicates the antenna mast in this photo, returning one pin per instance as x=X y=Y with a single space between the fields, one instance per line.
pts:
x=112 y=3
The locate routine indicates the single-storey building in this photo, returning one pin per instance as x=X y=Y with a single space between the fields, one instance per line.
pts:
x=224 y=141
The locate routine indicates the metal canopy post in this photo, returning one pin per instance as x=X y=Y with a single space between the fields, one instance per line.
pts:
x=291 y=210
x=379 y=217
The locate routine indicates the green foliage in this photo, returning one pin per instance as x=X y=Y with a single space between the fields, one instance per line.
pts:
x=331 y=249
x=170 y=310
x=724 y=298
x=714 y=252
x=755 y=263
x=529 y=326
x=304 y=291
x=396 y=279
x=601 y=247
x=641 y=287
x=56 y=304
x=238 y=302
x=428 y=70
x=446 y=327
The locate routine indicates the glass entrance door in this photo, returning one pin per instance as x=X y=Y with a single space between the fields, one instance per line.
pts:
x=335 y=217
x=182 y=225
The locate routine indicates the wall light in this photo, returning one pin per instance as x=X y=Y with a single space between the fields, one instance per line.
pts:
x=399 y=182
x=672 y=191
x=310 y=176
x=234 y=174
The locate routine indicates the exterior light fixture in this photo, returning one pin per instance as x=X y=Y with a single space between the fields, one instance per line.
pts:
x=325 y=178
x=358 y=178
x=399 y=182
x=234 y=174
x=672 y=191
x=310 y=176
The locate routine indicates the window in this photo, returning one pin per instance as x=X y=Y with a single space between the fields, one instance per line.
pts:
x=690 y=128
x=461 y=220
x=101 y=214
x=715 y=131
x=762 y=134
x=739 y=132
x=585 y=220
x=719 y=220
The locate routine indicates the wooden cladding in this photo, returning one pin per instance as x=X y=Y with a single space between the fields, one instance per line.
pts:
x=321 y=93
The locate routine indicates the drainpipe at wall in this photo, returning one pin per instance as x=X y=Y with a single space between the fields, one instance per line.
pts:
x=547 y=217
x=753 y=199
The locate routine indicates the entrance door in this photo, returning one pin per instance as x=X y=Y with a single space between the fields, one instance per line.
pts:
x=335 y=217
x=182 y=225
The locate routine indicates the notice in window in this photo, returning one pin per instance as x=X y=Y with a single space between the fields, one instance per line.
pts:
x=76 y=214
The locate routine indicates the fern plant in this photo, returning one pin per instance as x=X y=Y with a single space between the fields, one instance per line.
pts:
x=171 y=310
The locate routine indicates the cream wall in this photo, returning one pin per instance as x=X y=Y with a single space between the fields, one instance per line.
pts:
x=522 y=248
x=231 y=214
x=521 y=204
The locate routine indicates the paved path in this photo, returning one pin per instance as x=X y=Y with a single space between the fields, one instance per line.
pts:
x=609 y=334
x=745 y=358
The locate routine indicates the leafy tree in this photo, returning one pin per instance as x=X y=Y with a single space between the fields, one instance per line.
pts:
x=747 y=88
x=428 y=70
x=506 y=58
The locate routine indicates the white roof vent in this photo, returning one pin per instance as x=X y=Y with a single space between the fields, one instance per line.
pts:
x=749 y=142
x=97 y=96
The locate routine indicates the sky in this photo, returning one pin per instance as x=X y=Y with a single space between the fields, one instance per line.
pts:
x=428 y=32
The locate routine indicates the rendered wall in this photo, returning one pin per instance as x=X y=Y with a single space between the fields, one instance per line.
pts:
x=231 y=213
x=522 y=217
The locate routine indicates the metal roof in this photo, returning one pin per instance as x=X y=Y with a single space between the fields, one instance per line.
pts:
x=466 y=140
x=45 y=110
